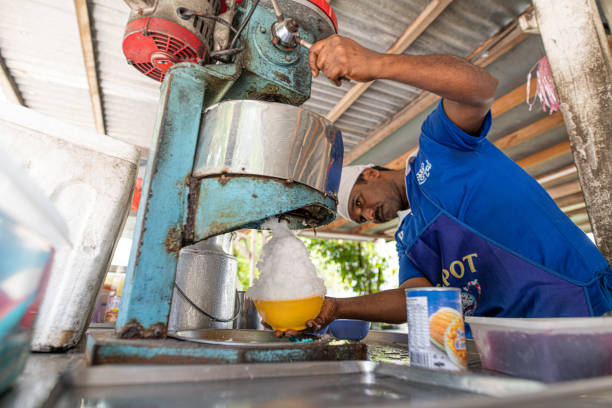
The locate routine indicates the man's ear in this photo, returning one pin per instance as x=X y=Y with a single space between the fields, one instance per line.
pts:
x=370 y=174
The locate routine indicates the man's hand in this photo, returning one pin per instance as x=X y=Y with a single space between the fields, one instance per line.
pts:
x=328 y=314
x=341 y=57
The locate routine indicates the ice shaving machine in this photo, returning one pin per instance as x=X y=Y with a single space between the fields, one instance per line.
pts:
x=231 y=147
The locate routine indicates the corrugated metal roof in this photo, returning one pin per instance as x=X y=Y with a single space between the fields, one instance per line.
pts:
x=376 y=24
x=129 y=98
x=39 y=42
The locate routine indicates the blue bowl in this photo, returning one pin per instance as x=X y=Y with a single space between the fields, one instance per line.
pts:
x=349 y=329
x=322 y=331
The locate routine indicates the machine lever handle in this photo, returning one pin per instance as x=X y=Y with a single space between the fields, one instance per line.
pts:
x=307 y=45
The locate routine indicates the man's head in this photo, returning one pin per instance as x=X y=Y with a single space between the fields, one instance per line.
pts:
x=371 y=193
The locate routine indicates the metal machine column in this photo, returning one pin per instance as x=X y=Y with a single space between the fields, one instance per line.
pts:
x=145 y=305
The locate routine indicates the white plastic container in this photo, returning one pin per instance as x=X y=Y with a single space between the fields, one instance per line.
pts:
x=90 y=178
x=555 y=349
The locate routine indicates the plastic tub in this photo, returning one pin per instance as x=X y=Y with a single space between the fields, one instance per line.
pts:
x=349 y=329
x=89 y=178
x=555 y=349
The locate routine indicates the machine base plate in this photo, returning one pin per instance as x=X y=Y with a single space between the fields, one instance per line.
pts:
x=103 y=347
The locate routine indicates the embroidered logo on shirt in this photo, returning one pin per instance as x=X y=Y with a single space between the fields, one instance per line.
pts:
x=400 y=235
x=470 y=297
x=423 y=172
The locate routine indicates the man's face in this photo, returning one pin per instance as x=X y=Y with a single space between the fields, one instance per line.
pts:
x=376 y=200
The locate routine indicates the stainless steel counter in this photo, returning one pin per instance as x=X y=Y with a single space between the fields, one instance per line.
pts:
x=386 y=382
x=40 y=377
x=304 y=384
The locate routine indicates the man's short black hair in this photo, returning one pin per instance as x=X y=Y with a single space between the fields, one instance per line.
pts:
x=361 y=180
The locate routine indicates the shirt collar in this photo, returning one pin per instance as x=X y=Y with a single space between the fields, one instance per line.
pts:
x=402 y=214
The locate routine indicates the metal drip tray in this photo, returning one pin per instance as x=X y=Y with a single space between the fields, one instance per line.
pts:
x=247 y=338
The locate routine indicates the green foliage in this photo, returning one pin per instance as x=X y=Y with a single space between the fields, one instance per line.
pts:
x=360 y=265
x=243 y=270
x=244 y=250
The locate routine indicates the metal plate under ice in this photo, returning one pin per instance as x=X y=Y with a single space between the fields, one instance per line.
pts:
x=245 y=338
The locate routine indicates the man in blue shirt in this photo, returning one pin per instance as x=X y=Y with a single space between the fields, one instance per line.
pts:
x=471 y=218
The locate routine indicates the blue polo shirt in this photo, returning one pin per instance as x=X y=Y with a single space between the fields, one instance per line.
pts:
x=479 y=222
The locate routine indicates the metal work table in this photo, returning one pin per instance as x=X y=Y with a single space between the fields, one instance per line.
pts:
x=386 y=381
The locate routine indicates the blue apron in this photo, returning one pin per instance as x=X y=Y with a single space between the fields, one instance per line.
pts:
x=494 y=280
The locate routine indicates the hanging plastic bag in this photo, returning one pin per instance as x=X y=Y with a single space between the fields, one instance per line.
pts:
x=545 y=89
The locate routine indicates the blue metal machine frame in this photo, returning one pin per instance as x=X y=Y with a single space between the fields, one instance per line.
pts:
x=177 y=209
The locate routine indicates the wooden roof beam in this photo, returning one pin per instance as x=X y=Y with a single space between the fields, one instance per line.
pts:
x=586 y=227
x=564 y=190
x=556 y=175
x=530 y=131
x=414 y=30
x=544 y=155
x=513 y=98
x=570 y=200
x=573 y=207
x=8 y=85
x=485 y=54
x=89 y=58
x=576 y=212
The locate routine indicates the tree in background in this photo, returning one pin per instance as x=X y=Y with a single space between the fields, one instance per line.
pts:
x=360 y=264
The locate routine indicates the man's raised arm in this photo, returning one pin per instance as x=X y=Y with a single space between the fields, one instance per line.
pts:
x=468 y=90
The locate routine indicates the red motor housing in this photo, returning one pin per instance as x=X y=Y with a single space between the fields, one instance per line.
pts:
x=152 y=45
x=157 y=38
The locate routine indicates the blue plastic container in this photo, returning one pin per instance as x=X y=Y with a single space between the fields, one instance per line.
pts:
x=29 y=226
x=349 y=329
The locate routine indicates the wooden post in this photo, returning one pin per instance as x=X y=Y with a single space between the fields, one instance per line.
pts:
x=579 y=58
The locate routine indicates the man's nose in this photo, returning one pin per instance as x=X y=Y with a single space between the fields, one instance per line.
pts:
x=368 y=214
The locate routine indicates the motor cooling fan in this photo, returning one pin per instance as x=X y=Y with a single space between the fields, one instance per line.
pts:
x=157 y=38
